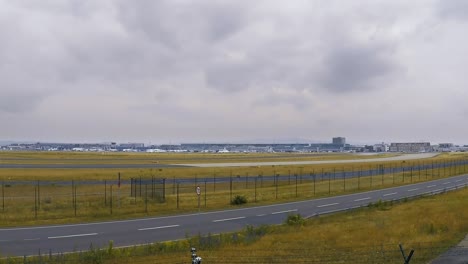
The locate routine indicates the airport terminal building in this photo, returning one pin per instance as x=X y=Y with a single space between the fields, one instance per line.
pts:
x=411 y=147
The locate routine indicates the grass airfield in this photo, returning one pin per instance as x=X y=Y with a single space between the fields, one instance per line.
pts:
x=369 y=233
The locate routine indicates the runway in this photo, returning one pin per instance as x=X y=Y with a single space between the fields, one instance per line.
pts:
x=403 y=157
x=211 y=165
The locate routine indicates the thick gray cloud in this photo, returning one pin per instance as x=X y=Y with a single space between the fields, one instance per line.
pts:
x=355 y=68
x=180 y=70
x=453 y=9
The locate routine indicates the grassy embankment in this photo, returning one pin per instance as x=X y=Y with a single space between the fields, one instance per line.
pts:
x=368 y=235
x=93 y=201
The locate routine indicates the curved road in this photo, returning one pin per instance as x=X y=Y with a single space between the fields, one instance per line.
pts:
x=76 y=237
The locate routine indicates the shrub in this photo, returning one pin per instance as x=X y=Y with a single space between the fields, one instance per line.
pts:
x=295 y=219
x=238 y=200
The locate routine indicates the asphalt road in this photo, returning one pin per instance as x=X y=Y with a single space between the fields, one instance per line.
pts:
x=76 y=237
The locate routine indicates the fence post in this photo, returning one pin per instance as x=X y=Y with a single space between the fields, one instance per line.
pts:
x=314 y=181
x=38 y=195
x=276 y=187
x=110 y=202
x=247 y=180
x=140 y=185
x=382 y=173
x=205 y=191
x=230 y=188
x=73 y=194
x=3 y=196
x=296 y=183
x=35 y=202
x=146 y=198
x=105 y=192
x=359 y=180
x=344 y=180
x=164 y=190
x=177 y=195
x=255 y=195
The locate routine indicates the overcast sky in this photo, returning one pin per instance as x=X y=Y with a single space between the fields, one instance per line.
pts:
x=174 y=71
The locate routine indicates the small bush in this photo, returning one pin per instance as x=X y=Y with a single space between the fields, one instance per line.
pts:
x=294 y=220
x=48 y=200
x=238 y=200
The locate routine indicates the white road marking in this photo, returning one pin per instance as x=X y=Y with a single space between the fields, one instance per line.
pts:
x=31 y=239
x=229 y=219
x=412 y=190
x=282 y=212
x=325 y=205
x=430 y=186
x=362 y=199
x=78 y=235
x=446 y=183
x=388 y=194
x=459 y=180
x=157 y=227
x=260 y=215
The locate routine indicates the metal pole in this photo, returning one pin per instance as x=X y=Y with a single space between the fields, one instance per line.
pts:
x=247 y=180
x=214 y=182
x=73 y=194
x=75 y=199
x=110 y=202
x=382 y=173
x=276 y=189
x=255 y=189
x=38 y=195
x=230 y=188
x=3 y=196
x=35 y=202
x=314 y=182
x=105 y=192
x=146 y=198
x=205 y=191
x=411 y=174
x=164 y=190
x=359 y=179
x=140 y=186
x=344 y=180
x=296 y=183
x=177 y=195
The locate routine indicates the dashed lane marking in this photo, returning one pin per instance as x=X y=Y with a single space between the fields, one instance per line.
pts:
x=228 y=219
x=157 y=227
x=77 y=235
x=282 y=212
x=362 y=199
x=325 y=205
